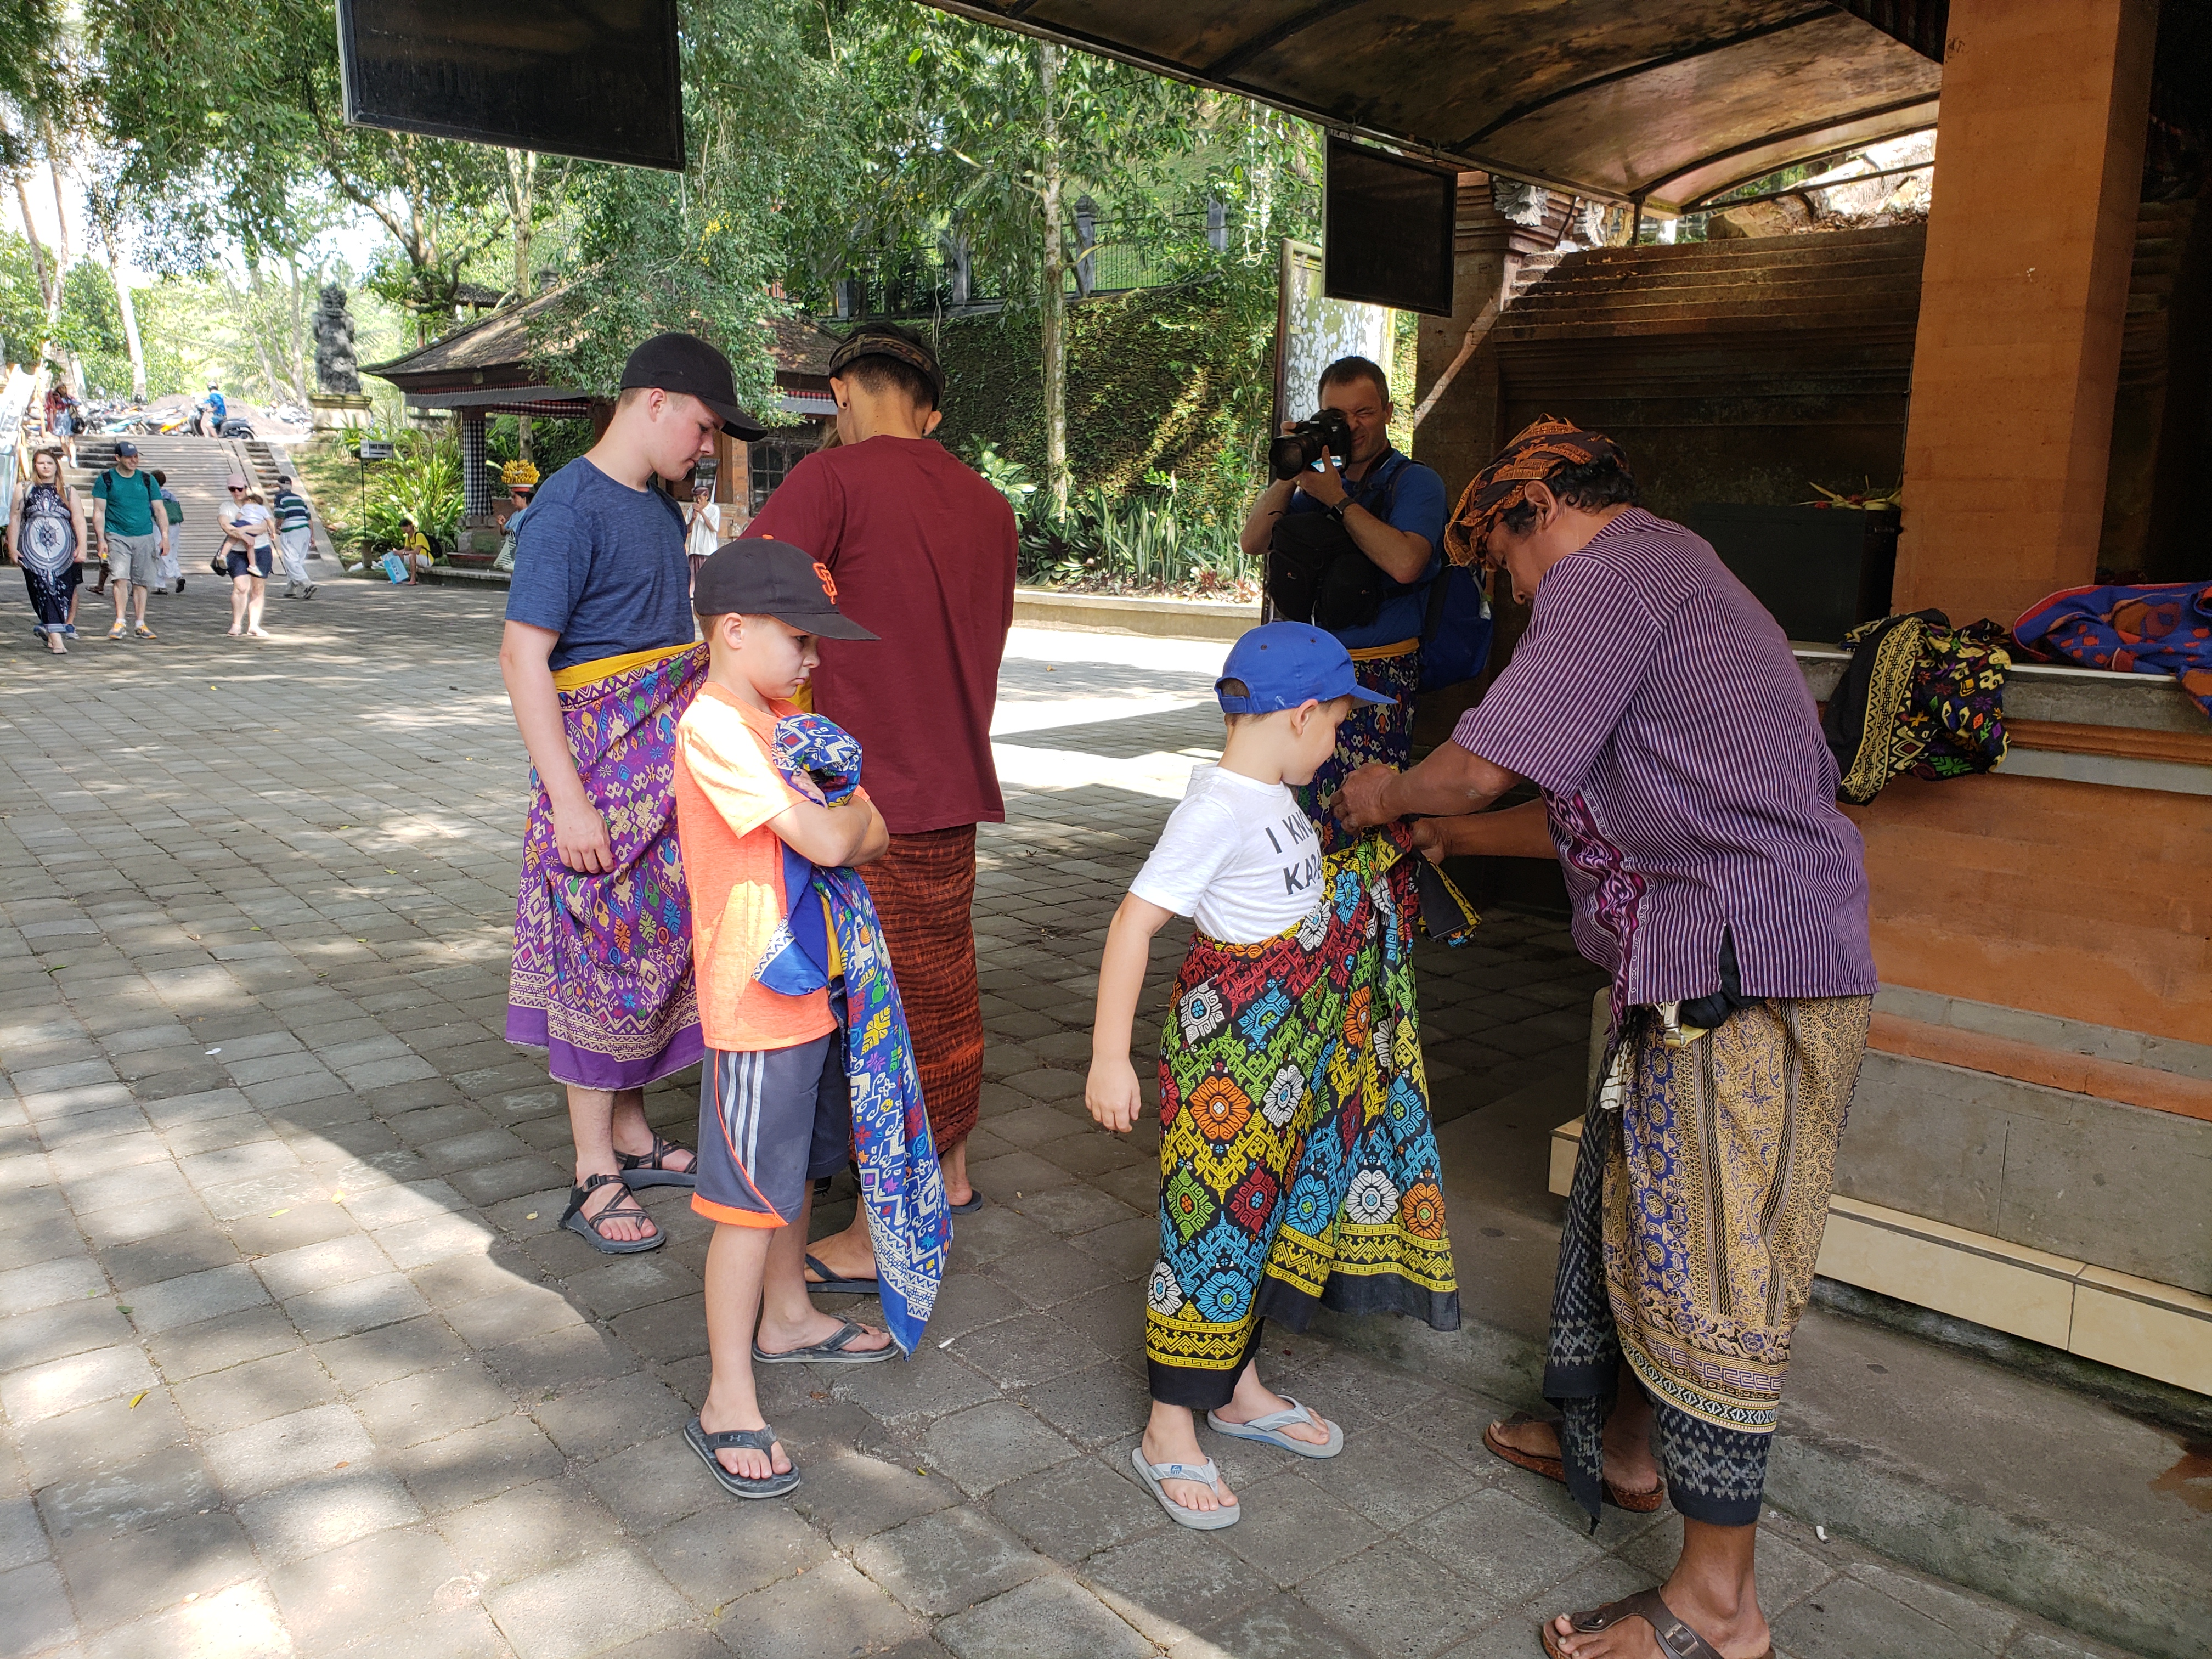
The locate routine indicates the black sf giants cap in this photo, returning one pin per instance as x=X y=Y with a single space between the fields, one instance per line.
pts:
x=761 y=577
x=684 y=362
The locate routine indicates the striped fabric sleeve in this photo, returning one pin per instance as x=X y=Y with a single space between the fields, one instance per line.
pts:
x=1590 y=641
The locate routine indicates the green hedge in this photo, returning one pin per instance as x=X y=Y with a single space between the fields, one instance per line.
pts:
x=1174 y=380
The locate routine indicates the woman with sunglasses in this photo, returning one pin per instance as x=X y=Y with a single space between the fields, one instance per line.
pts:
x=249 y=554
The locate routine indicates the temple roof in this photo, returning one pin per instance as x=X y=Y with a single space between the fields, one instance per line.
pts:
x=1627 y=100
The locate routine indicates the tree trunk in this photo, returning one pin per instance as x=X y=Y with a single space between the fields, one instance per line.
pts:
x=1053 y=305
x=130 y=326
x=48 y=293
x=62 y=243
x=522 y=187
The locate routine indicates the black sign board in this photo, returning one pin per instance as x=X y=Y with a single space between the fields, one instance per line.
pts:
x=1387 y=229
x=594 y=78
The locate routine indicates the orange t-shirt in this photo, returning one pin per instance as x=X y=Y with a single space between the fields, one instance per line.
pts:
x=726 y=790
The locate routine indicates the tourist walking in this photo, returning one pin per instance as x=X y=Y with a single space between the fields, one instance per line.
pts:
x=1282 y=1188
x=168 y=571
x=249 y=531
x=921 y=552
x=295 y=534
x=46 y=537
x=599 y=663
x=1727 y=895
x=1369 y=524
x=132 y=528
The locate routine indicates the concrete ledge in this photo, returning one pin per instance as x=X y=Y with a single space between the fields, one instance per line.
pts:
x=460 y=576
x=1188 y=619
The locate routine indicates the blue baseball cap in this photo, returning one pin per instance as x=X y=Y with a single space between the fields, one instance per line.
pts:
x=1286 y=664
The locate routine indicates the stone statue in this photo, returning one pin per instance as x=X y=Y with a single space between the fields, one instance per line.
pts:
x=336 y=370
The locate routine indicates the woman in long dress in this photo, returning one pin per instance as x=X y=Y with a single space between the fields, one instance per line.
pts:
x=46 y=537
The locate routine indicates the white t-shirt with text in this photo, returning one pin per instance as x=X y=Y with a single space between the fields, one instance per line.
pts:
x=1238 y=856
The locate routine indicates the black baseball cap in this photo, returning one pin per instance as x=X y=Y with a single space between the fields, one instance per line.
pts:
x=686 y=363
x=757 y=577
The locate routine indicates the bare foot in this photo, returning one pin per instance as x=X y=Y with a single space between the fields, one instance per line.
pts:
x=1254 y=1399
x=744 y=1462
x=787 y=1338
x=844 y=1256
x=1744 y=1635
x=619 y=1229
x=1628 y=1460
x=1191 y=1494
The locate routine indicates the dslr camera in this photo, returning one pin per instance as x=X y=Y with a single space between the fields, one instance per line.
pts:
x=1327 y=433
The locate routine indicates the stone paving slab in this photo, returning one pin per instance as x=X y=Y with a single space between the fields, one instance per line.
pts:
x=293 y=1359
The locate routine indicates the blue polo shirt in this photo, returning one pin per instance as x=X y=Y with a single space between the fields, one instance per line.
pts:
x=1406 y=496
x=602 y=565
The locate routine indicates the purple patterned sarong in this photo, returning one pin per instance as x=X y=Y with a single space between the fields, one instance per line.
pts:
x=602 y=974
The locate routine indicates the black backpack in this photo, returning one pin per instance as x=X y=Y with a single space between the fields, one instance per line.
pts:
x=1316 y=573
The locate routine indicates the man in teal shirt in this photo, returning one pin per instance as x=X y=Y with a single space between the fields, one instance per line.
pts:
x=132 y=528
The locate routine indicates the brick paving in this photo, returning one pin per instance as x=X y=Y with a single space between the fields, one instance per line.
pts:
x=293 y=1359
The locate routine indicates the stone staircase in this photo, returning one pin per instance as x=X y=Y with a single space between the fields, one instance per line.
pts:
x=197 y=470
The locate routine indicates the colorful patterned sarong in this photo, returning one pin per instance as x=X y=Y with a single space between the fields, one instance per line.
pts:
x=1372 y=731
x=1297 y=1162
x=2161 y=629
x=1919 y=696
x=1700 y=1199
x=925 y=893
x=602 y=972
x=901 y=1189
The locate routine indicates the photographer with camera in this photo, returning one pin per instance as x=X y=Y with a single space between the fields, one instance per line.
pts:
x=1352 y=533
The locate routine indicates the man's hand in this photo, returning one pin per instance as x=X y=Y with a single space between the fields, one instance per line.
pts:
x=581 y=835
x=1325 y=484
x=1359 y=802
x=1111 y=1093
x=1431 y=838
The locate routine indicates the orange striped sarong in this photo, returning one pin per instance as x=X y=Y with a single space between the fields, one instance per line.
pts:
x=925 y=892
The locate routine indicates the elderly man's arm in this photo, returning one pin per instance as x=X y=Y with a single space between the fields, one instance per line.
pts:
x=1512 y=832
x=1450 y=781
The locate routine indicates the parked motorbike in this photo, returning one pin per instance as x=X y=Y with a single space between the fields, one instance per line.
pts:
x=236 y=427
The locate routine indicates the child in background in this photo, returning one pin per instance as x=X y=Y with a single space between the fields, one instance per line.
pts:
x=1299 y=1168
x=774 y=1107
x=169 y=570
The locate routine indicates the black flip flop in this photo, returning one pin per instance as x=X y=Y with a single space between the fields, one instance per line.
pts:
x=837 y=1351
x=761 y=1439
x=830 y=1285
x=651 y=1168
x=975 y=1203
x=622 y=1207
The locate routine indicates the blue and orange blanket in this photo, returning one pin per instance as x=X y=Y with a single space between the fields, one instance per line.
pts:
x=831 y=932
x=2161 y=629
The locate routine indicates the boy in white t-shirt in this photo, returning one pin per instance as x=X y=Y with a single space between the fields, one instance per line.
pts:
x=1293 y=1115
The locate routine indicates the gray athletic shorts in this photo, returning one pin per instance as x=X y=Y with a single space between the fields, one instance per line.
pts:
x=770 y=1120
x=131 y=558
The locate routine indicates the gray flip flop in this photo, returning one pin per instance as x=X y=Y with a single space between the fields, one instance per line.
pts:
x=1205 y=1473
x=761 y=1439
x=1268 y=1430
x=837 y=1351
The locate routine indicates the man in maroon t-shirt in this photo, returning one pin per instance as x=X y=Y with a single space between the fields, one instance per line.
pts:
x=922 y=554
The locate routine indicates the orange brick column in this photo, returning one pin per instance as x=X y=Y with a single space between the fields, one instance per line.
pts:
x=2037 y=170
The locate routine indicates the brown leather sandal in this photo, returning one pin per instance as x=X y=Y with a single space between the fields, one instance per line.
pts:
x=1672 y=1636
x=1554 y=1469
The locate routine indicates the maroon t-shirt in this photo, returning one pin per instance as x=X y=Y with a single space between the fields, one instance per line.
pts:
x=923 y=552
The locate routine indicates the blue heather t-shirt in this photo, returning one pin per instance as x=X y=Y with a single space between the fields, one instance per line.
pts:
x=1406 y=496
x=602 y=565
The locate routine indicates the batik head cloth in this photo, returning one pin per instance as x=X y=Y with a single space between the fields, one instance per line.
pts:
x=1536 y=451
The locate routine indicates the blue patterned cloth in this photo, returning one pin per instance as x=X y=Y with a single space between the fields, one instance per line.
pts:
x=902 y=1188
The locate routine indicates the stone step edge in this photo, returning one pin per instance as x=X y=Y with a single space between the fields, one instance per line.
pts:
x=1201 y=619
x=2162 y=1609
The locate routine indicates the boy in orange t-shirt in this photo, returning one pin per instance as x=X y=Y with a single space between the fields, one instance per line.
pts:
x=773 y=1110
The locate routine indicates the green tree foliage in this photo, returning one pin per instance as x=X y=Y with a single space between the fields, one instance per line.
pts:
x=222 y=116
x=91 y=328
x=23 y=307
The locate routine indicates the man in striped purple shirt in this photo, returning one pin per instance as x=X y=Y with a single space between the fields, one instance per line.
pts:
x=1690 y=799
